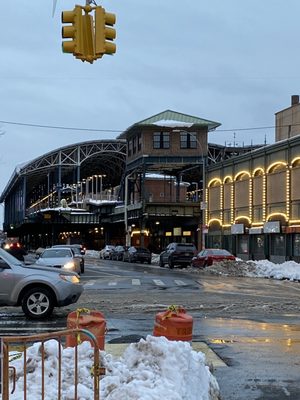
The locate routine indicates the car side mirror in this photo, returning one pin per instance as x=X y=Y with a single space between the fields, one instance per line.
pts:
x=37 y=256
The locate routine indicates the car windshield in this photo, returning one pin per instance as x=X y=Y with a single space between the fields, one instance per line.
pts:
x=56 y=253
x=220 y=252
x=185 y=246
x=75 y=249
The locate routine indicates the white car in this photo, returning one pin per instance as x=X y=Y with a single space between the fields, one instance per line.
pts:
x=106 y=251
x=60 y=258
x=35 y=288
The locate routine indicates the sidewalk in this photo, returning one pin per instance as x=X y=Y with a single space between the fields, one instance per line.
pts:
x=117 y=350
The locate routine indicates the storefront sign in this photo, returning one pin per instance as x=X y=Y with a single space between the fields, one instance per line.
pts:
x=177 y=231
x=272 y=227
x=237 y=229
x=255 y=231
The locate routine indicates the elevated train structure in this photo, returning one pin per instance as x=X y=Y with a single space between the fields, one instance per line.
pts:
x=70 y=194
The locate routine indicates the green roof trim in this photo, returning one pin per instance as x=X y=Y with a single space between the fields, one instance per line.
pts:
x=173 y=116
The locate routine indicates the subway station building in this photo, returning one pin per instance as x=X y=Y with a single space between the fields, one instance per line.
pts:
x=146 y=187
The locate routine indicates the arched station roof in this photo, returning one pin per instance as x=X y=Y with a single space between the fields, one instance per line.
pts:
x=107 y=157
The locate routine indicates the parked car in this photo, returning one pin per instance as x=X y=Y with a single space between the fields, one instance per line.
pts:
x=59 y=258
x=180 y=254
x=117 y=253
x=137 y=254
x=78 y=250
x=105 y=253
x=15 y=249
x=207 y=257
x=35 y=288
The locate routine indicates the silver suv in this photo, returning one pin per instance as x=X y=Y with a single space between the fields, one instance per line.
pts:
x=177 y=254
x=36 y=289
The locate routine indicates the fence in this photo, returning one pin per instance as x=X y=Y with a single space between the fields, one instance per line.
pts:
x=8 y=373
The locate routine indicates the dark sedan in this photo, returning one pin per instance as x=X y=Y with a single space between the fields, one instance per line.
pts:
x=117 y=253
x=208 y=256
x=137 y=254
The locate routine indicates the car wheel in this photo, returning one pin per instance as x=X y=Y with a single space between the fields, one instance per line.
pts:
x=38 y=303
x=170 y=263
x=161 y=263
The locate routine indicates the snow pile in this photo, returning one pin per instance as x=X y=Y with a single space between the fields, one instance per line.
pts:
x=229 y=268
x=151 y=369
x=92 y=253
x=289 y=270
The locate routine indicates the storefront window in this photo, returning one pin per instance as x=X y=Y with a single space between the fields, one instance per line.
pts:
x=258 y=244
x=277 y=245
x=243 y=245
x=296 y=245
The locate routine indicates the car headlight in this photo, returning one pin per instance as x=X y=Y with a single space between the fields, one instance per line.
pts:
x=70 y=278
x=69 y=265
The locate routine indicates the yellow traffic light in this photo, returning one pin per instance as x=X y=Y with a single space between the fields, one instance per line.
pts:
x=88 y=39
x=73 y=31
x=104 y=35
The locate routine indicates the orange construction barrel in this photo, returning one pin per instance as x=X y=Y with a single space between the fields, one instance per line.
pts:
x=174 y=324
x=90 y=320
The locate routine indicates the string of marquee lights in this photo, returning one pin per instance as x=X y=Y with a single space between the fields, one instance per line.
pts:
x=119 y=131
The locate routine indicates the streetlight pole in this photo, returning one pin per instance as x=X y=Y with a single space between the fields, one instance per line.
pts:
x=127 y=231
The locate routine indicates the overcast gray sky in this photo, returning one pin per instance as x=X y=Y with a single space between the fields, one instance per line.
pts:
x=235 y=62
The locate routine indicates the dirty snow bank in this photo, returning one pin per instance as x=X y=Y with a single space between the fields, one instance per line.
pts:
x=152 y=369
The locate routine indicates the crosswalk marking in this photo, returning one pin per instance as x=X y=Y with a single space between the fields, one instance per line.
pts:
x=158 y=282
x=136 y=282
x=180 y=283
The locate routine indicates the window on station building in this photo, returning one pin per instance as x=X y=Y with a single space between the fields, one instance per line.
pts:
x=188 y=140
x=139 y=142
x=161 y=140
x=134 y=145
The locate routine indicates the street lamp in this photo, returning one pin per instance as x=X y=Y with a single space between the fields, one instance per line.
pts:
x=127 y=230
x=203 y=202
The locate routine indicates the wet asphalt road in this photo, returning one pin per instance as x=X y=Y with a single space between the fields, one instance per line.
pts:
x=253 y=325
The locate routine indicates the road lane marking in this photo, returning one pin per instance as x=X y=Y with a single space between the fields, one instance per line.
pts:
x=158 y=282
x=89 y=283
x=112 y=283
x=180 y=283
x=136 y=281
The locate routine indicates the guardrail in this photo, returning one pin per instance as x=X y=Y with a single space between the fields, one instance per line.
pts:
x=8 y=373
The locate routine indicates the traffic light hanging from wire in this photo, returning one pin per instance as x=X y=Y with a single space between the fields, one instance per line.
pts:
x=72 y=31
x=104 y=33
x=91 y=37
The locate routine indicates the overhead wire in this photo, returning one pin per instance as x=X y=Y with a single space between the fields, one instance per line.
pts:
x=120 y=131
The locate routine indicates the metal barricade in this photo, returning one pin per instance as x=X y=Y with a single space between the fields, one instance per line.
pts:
x=9 y=380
